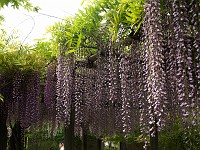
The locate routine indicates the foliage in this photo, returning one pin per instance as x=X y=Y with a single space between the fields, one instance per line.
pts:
x=15 y=57
x=115 y=139
x=42 y=138
x=122 y=16
x=1 y=19
x=98 y=21
x=78 y=33
x=20 y=60
x=179 y=139
x=46 y=49
x=19 y=3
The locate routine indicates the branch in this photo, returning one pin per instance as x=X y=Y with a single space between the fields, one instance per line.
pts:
x=89 y=62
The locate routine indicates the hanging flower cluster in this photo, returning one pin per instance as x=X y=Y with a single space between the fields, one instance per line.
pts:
x=146 y=85
x=155 y=76
x=99 y=104
x=103 y=95
x=126 y=98
x=64 y=87
x=50 y=89
x=182 y=64
x=153 y=83
x=26 y=91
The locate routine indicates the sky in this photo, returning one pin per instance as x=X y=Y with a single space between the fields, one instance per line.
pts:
x=31 y=25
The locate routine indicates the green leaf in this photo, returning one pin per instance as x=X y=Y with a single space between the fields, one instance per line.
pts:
x=70 y=51
x=79 y=40
x=1 y=97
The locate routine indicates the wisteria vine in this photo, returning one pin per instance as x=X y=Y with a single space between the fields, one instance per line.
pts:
x=146 y=85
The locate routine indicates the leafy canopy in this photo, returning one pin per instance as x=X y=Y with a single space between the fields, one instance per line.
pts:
x=100 y=20
x=96 y=23
x=17 y=57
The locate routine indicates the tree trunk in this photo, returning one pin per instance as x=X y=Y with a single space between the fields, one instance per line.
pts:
x=69 y=130
x=3 y=127
x=17 y=139
x=5 y=92
x=26 y=142
x=3 y=134
x=84 y=140
x=123 y=146
x=154 y=139
x=100 y=145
